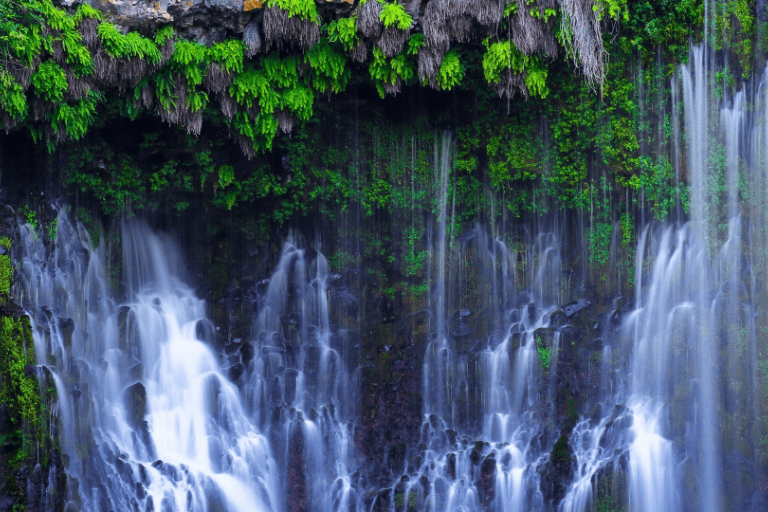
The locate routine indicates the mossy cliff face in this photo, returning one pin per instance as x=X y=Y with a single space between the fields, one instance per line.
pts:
x=31 y=476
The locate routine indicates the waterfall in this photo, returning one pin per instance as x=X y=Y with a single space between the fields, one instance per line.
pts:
x=149 y=420
x=302 y=384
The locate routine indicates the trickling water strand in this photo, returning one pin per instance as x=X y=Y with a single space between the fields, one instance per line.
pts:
x=149 y=420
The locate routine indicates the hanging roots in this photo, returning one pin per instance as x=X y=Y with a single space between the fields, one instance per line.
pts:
x=147 y=97
x=285 y=120
x=167 y=51
x=279 y=27
x=131 y=71
x=531 y=35
x=580 y=32
x=392 y=40
x=77 y=87
x=368 y=22
x=228 y=105
x=252 y=39
x=429 y=64
x=359 y=53
x=246 y=145
x=58 y=53
x=105 y=68
x=509 y=83
x=88 y=29
x=179 y=114
x=393 y=88
x=217 y=80
x=460 y=28
x=487 y=12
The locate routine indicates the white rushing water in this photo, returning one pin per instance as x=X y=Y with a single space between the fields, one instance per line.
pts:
x=149 y=421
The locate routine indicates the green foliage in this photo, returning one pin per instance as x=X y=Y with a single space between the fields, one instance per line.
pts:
x=6 y=267
x=50 y=81
x=389 y=71
x=393 y=15
x=451 y=71
x=344 y=32
x=329 y=67
x=599 y=242
x=130 y=45
x=18 y=391
x=544 y=353
x=230 y=53
x=735 y=25
x=303 y=9
x=503 y=55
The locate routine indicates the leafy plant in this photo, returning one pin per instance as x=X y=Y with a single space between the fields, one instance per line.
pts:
x=393 y=15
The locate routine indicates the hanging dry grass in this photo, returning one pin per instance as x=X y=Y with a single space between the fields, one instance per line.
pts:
x=88 y=29
x=435 y=25
x=532 y=35
x=166 y=51
x=580 y=32
x=429 y=64
x=285 y=121
x=487 y=12
x=246 y=145
x=392 y=41
x=228 y=105
x=252 y=39
x=22 y=73
x=105 y=68
x=279 y=27
x=77 y=87
x=509 y=83
x=147 y=97
x=217 y=79
x=368 y=22
x=130 y=72
x=359 y=53
x=461 y=28
x=59 y=57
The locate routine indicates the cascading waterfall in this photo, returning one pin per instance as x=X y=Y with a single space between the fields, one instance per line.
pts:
x=149 y=420
x=152 y=418
x=301 y=384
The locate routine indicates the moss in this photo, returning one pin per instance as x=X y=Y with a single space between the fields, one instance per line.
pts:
x=19 y=391
x=6 y=268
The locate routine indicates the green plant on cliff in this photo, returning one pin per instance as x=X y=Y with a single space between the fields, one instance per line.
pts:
x=19 y=392
x=344 y=32
x=451 y=71
x=388 y=73
x=504 y=55
x=6 y=268
x=544 y=353
x=305 y=10
x=393 y=15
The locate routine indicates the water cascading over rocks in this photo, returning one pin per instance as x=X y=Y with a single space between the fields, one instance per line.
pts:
x=148 y=419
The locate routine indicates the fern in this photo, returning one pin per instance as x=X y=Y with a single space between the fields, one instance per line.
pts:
x=86 y=11
x=451 y=71
x=76 y=119
x=329 y=67
x=393 y=15
x=164 y=34
x=302 y=9
x=415 y=42
x=344 y=32
x=230 y=53
x=388 y=71
x=50 y=81
x=12 y=97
